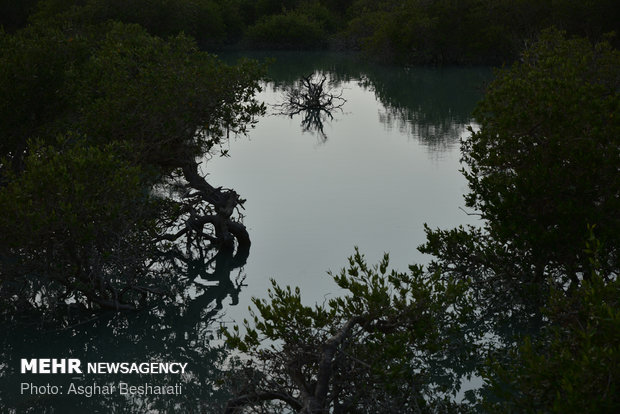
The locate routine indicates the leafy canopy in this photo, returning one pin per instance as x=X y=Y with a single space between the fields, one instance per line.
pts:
x=534 y=286
x=99 y=135
x=389 y=345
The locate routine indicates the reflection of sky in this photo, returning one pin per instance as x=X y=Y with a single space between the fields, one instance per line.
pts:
x=389 y=165
x=309 y=204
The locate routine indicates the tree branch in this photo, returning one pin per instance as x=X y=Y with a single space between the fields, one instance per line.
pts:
x=326 y=362
x=240 y=402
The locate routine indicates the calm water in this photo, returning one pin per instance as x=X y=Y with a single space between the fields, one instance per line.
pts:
x=386 y=164
x=389 y=164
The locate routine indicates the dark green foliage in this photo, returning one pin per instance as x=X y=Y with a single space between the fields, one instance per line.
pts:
x=116 y=82
x=134 y=93
x=322 y=14
x=543 y=174
x=293 y=30
x=96 y=120
x=14 y=13
x=394 y=344
x=211 y=23
x=541 y=169
x=572 y=365
x=534 y=286
x=76 y=221
x=33 y=73
x=467 y=31
x=410 y=31
x=270 y=7
x=544 y=164
x=439 y=32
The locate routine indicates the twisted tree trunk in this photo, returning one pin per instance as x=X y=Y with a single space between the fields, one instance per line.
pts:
x=224 y=203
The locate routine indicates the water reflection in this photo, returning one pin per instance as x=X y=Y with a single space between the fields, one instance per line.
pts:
x=306 y=210
x=171 y=332
x=315 y=99
x=430 y=105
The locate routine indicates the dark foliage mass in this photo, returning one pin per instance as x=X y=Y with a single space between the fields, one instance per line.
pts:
x=106 y=109
x=411 y=31
x=543 y=174
x=528 y=301
x=101 y=125
x=179 y=330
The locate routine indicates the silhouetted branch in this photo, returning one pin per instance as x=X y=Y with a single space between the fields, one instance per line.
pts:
x=312 y=99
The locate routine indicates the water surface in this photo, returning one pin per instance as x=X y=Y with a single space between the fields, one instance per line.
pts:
x=390 y=163
x=387 y=164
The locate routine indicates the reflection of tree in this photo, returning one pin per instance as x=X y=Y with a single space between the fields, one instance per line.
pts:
x=177 y=331
x=311 y=97
x=431 y=105
x=436 y=136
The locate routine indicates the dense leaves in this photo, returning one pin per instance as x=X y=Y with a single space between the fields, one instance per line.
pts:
x=474 y=31
x=544 y=164
x=410 y=31
x=78 y=224
x=542 y=171
x=572 y=365
x=388 y=346
x=116 y=82
x=534 y=287
x=293 y=30
x=210 y=22
x=543 y=174
x=100 y=124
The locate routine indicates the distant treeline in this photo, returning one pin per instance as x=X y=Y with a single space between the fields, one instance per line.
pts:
x=395 y=31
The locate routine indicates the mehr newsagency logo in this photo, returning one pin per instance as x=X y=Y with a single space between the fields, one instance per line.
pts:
x=74 y=366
